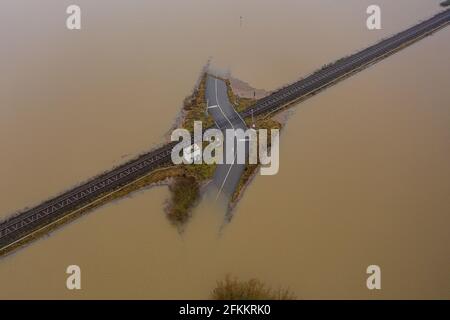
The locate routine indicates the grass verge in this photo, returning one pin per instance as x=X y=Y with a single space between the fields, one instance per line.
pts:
x=194 y=107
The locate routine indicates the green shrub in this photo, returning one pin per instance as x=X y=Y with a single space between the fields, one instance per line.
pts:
x=185 y=193
x=253 y=289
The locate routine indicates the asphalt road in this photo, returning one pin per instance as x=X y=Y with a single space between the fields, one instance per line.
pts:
x=226 y=177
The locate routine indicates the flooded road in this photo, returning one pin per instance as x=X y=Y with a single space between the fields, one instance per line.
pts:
x=364 y=166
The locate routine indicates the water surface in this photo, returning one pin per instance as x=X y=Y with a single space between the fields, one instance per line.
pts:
x=364 y=175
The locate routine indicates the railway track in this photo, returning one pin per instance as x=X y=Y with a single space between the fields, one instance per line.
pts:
x=21 y=226
x=342 y=67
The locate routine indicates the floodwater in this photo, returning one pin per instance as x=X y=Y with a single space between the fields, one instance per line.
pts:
x=364 y=166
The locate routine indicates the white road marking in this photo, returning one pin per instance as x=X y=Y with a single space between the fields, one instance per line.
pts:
x=226 y=177
x=243 y=122
x=207 y=107
x=235 y=155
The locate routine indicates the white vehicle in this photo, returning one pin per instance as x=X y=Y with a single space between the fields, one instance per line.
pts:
x=192 y=153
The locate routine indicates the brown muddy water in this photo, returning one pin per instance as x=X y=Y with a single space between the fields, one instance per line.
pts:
x=364 y=166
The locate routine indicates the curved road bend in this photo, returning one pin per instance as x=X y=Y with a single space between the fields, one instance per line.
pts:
x=227 y=176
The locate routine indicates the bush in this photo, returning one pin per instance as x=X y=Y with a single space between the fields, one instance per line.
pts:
x=185 y=193
x=253 y=289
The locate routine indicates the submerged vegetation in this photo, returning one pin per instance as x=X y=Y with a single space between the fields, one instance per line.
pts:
x=249 y=172
x=253 y=289
x=185 y=193
x=194 y=107
x=201 y=171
